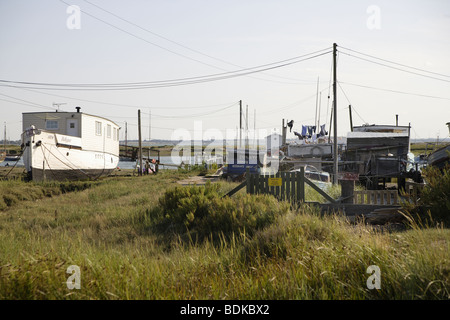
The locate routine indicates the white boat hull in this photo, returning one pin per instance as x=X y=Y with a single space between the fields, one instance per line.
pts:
x=50 y=156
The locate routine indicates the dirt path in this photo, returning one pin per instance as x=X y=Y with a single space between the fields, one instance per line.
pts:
x=197 y=180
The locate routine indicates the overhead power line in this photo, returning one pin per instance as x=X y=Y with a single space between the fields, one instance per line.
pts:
x=396 y=68
x=162 y=83
x=399 y=64
x=180 y=44
x=395 y=91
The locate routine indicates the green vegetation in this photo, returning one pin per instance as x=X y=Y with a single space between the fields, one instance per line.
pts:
x=425 y=147
x=434 y=205
x=148 y=238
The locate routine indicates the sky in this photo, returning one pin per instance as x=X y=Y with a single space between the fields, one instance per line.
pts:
x=393 y=59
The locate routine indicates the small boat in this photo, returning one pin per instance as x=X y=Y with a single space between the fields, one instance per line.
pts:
x=321 y=178
x=69 y=145
x=12 y=158
x=440 y=157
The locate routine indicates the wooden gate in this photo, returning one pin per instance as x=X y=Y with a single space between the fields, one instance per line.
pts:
x=289 y=186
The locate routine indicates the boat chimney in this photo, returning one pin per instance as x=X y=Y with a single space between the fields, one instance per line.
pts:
x=78 y=109
x=396 y=120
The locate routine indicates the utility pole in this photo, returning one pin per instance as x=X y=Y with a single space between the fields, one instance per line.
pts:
x=351 y=119
x=149 y=125
x=126 y=139
x=335 y=176
x=140 y=143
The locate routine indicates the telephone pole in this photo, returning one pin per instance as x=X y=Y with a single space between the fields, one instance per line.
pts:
x=335 y=146
x=140 y=143
x=351 y=119
x=149 y=125
x=126 y=139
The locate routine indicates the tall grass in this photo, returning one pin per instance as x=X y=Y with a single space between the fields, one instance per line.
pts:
x=111 y=232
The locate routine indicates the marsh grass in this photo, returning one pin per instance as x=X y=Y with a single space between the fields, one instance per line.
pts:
x=110 y=231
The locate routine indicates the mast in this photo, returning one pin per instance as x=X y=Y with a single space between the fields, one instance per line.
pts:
x=240 y=123
x=335 y=146
x=4 y=140
x=317 y=103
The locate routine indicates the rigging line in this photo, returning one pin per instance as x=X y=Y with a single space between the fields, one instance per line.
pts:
x=289 y=106
x=177 y=43
x=396 y=91
x=17 y=161
x=49 y=151
x=403 y=65
x=353 y=107
x=344 y=93
x=399 y=69
x=210 y=77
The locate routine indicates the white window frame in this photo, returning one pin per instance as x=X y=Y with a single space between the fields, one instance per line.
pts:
x=47 y=122
x=98 y=128
x=108 y=131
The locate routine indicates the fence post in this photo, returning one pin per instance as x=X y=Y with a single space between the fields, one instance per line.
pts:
x=301 y=185
x=250 y=181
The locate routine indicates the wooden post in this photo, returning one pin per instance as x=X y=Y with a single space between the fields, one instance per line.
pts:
x=302 y=184
x=140 y=143
x=351 y=119
x=347 y=189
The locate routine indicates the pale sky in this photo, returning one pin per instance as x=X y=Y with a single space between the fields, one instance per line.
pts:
x=42 y=42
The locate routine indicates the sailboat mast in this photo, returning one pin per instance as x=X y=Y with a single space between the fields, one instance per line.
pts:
x=4 y=139
x=335 y=146
x=317 y=102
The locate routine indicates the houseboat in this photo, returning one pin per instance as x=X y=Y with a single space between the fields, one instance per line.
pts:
x=69 y=145
x=377 y=153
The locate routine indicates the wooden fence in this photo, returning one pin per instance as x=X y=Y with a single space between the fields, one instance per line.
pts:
x=388 y=197
x=290 y=186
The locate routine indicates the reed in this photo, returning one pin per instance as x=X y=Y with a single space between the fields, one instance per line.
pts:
x=111 y=231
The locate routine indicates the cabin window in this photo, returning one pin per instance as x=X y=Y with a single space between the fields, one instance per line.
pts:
x=98 y=128
x=108 y=131
x=51 y=125
x=115 y=134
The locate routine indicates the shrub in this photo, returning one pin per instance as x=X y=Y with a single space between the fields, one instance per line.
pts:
x=436 y=194
x=201 y=213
